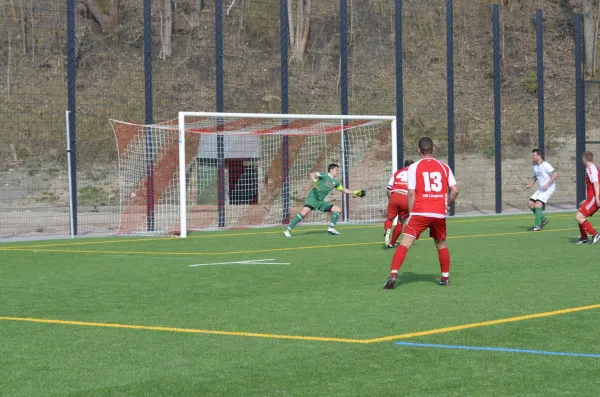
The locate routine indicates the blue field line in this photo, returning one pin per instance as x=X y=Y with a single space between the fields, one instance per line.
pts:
x=499 y=349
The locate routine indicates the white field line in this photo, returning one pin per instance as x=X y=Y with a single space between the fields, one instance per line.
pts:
x=250 y=262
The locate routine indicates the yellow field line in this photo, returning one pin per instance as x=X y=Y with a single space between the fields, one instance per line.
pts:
x=306 y=338
x=328 y=246
x=484 y=323
x=183 y=330
x=166 y=238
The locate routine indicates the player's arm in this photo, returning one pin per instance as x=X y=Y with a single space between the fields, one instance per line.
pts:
x=411 y=184
x=411 y=199
x=314 y=176
x=359 y=193
x=452 y=194
x=553 y=177
x=531 y=182
x=389 y=186
x=597 y=192
x=453 y=188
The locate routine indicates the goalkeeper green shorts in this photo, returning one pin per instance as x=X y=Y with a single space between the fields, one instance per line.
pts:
x=318 y=205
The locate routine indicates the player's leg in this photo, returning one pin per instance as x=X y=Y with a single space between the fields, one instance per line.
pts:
x=402 y=216
x=586 y=210
x=335 y=215
x=581 y=219
x=391 y=213
x=402 y=210
x=535 y=207
x=537 y=224
x=299 y=216
x=437 y=231
x=543 y=197
x=413 y=228
x=531 y=203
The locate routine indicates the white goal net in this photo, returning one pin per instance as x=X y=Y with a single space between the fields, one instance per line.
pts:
x=223 y=170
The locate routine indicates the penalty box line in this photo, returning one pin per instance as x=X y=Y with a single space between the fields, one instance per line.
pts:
x=329 y=246
x=307 y=229
x=307 y=338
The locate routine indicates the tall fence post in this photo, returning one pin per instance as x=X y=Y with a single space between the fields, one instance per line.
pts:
x=399 y=87
x=580 y=111
x=450 y=85
x=285 y=169
x=344 y=100
x=497 y=115
x=149 y=116
x=72 y=104
x=540 y=76
x=220 y=106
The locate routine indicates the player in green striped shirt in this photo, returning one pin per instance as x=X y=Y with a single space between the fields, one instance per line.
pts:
x=322 y=185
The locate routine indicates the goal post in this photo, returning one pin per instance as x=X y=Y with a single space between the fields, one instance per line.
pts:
x=229 y=170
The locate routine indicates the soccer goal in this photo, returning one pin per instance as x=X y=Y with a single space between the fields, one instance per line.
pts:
x=207 y=171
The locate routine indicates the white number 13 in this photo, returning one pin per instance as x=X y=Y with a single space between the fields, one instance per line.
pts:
x=433 y=181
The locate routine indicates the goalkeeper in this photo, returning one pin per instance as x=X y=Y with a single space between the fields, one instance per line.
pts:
x=322 y=185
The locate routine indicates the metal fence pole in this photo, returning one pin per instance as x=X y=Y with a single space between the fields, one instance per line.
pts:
x=399 y=86
x=72 y=104
x=450 y=85
x=580 y=111
x=285 y=169
x=344 y=100
x=149 y=116
x=497 y=115
x=540 y=77
x=220 y=107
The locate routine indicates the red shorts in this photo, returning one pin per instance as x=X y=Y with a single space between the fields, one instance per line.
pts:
x=417 y=224
x=397 y=206
x=588 y=207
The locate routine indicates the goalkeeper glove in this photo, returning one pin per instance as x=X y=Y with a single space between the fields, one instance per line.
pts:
x=360 y=193
x=316 y=183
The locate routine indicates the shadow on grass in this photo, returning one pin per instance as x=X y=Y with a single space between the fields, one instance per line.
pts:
x=410 y=277
x=574 y=240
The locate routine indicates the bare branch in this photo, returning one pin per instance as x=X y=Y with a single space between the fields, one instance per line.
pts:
x=230 y=7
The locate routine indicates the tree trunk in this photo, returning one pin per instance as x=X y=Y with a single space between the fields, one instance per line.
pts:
x=299 y=27
x=167 y=29
x=589 y=35
x=196 y=7
x=108 y=22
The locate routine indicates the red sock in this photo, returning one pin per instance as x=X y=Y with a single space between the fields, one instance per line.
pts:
x=583 y=233
x=387 y=224
x=588 y=228
x=396 y=233
x=398 y=258
x=444 y=256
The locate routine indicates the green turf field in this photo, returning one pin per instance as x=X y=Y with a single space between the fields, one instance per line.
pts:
x=131 y=317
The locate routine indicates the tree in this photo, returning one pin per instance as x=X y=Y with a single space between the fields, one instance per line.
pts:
x=107 y=14
x=166 y=28
x=196 y=7
x=299 y=23
x=590 y=32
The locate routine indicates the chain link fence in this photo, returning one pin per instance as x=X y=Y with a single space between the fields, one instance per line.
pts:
x=111 y=84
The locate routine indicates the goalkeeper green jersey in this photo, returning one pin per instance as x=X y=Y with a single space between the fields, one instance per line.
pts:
x=326 y=184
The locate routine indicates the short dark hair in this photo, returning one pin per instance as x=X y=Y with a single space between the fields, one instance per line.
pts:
x=588 y=156
x=332 y=166
x=408 y=163
x=425 y=145
x=539 y=152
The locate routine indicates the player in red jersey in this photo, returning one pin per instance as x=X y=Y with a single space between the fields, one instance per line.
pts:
x=591 y=204
x=431 y=189
x=397 y=192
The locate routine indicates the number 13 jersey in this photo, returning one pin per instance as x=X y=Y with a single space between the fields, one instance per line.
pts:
x=430 y=179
